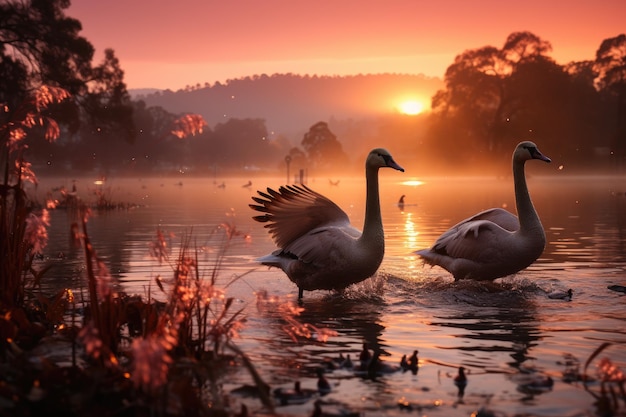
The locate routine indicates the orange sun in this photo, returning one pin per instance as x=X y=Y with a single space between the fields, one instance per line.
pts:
x=411 y=107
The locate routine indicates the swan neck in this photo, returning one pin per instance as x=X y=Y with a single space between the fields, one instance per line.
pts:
x=526 y=213
x=373 y=224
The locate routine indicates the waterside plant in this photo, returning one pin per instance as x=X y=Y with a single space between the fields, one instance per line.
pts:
x=97 y=350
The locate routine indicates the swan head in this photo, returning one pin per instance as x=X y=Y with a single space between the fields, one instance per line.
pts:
x=527 y=150
x=381 y=158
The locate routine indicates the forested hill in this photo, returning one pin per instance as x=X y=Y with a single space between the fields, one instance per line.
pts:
x=290 y=103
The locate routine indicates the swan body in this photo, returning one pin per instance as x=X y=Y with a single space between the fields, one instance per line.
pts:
x=318 y=247
x=494 y=243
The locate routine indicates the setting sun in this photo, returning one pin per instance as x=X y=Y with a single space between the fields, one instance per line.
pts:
x=411 y=107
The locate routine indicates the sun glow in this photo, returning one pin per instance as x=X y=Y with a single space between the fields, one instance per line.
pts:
x=412 y=183
x=411 y=107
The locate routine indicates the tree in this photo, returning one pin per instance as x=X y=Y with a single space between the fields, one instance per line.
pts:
x=39 y=46
x=611 y=67
x=553 y=105
x=234 y=144
x=478 y=97
x=107 y=103
x=297 y=161
x=323 y=149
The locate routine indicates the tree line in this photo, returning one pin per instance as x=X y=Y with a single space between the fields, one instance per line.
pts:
x=491 y=98
x=495 y=96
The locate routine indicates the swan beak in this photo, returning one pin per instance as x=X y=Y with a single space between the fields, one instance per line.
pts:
x=538 y=155
x=542 y=157
x=392 y=164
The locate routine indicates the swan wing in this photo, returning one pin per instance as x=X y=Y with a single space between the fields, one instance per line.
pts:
x=295 y=211
x=500 y=217
x=503 y=218
x=476 y=240
x=329 y=245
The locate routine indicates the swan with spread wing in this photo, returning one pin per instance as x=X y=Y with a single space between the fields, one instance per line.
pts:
x=318 y=247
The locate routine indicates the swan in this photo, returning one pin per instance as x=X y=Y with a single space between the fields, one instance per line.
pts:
x=318 y=247
x=494 y=243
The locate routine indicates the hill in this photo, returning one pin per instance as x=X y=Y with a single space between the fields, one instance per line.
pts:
x=290 y=103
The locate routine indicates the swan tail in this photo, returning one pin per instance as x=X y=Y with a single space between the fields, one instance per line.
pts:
x=427 y=256
x=278 y=259
x=433 y=258
x=270 y=260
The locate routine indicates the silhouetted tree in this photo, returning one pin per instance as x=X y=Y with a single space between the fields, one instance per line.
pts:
x=234 y=144
x=478 y=97
x=611 y=68
x=107 y=103
x=322 y=147
x=587 y=126
x=298 y=160
x=39 y=45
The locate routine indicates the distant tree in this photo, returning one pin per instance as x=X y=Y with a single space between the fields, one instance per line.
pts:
x=298 y=159
x=478 y=97
x=552 y=106
x=239 y=142
x=323 y=149
x=39 y=46
x=107 y=103
x=524 y=46
x=589 y=115
x=611 y=68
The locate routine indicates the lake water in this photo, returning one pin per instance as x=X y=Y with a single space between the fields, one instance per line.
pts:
x=506 y=334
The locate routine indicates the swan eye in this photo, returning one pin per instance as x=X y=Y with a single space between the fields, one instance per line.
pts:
x=532 y=150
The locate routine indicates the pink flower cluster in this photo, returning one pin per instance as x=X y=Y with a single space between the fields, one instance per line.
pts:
x=36 y=232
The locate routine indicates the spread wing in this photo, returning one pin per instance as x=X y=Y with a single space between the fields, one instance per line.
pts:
x=324 y=243
x=295 y=210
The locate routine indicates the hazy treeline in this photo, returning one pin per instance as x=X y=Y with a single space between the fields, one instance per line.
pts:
x=490 y=98
x=493 y=97
x=291 y=103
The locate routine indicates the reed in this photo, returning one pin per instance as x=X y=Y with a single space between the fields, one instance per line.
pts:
x=127 y=353
x=23 y=232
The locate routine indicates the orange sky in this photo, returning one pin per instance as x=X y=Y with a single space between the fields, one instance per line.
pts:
x=177 y=43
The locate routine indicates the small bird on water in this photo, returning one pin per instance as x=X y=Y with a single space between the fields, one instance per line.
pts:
x=561 y=295
x=461 y=381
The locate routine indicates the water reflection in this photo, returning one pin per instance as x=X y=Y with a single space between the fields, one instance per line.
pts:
x=502 y=321
x=500 y=332
x=357 y=321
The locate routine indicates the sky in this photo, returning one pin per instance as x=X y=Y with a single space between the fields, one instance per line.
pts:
x=172 y=44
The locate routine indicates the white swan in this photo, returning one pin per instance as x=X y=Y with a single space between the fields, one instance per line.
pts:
x=319 y=248
x=494 y=243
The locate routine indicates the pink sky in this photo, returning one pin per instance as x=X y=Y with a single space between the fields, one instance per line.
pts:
x=171 y=44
